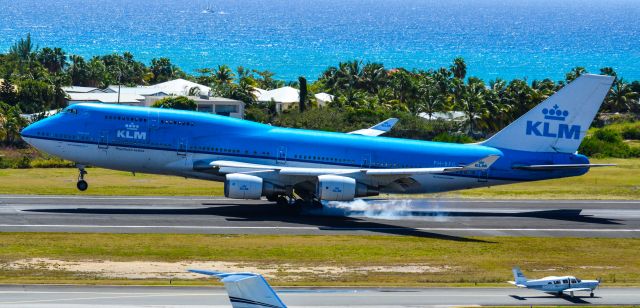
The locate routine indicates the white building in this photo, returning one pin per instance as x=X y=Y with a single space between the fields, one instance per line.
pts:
x=323 y=99
x=106 y=98
x=216 y=105
x=147 y=95
x=180 y=87
x=284 y=97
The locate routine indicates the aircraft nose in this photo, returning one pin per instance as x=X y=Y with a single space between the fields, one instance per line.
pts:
x=27 y=131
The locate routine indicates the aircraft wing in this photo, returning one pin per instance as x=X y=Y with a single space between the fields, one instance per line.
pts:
x=577 y=290
x=247 y=290
x=377 y=129
x=227 y=167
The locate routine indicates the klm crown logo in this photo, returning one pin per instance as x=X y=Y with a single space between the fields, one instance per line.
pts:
x=131 y=132
x=553 y=129
x=132 y=126
x=555 y=113
x=480 y=164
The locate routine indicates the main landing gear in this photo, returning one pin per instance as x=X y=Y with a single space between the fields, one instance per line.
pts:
x=82 y=184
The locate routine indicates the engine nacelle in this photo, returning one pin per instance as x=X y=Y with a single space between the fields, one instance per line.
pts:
x=335 y=188
x=242 y=186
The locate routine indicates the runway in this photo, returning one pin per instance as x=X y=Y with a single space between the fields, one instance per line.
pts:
x=106 y=296
x=420 y=217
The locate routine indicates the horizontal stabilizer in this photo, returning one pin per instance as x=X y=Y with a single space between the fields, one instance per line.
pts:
x=516 y=284
x=559 y=166
x=377 y=129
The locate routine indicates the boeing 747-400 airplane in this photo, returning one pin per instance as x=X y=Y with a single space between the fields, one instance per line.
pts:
x=285 y=164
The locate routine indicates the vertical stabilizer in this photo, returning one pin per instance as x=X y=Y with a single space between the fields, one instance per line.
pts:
x=559 y=123
x=247 y=290
x=518 y=276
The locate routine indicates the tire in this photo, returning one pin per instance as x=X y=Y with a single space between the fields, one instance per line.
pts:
x=82 y=185
x=272 y=198
x=591 y=295
x=282 y=201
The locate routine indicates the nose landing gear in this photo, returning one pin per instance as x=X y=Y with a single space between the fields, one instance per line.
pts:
x=82 y=184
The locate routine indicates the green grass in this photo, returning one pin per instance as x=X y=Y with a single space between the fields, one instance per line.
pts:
x=621 y=182
x=484 y=262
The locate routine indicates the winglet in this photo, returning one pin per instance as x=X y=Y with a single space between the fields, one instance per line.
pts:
x=247 y=290
x=482 y=164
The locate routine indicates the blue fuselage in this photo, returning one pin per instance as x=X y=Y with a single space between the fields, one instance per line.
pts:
x=182 y=143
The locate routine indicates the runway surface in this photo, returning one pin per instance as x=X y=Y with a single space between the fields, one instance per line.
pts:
x=421 y=217
x=92 y=296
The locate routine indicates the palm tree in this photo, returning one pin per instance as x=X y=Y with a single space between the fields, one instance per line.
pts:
x=459 y=68
x=224 y=74
x=471 y=102
x=575 y=73
x=23 y=49
x=621 y=97
x=428 y=96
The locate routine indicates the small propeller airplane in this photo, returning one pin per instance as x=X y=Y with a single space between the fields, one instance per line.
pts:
x=554 y=284
x=247 y=290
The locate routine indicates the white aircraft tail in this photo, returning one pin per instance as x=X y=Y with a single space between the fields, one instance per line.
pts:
x=247 y=290
x=559 y=123
x=518 y=276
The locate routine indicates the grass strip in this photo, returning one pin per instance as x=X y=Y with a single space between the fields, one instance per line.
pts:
x=481 y=261
x=621 y=182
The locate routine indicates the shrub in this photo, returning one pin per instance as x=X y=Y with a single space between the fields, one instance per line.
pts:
x=607 y=142
x=453 y=138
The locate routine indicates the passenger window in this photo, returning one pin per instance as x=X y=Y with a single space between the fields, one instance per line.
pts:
x=565 y=281
x=573 y=281
x=556 y=282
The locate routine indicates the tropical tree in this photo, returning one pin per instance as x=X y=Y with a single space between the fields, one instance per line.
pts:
x=54 y=60
x=303 y=94
x=178 y=102
x=23 y=50
x=459 y=68
x=224 y=74
x=621 y=97
x=163 y=70
x=575 y=73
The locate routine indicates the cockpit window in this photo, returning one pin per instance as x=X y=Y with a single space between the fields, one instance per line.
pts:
x=70 y=110
x=573 y=281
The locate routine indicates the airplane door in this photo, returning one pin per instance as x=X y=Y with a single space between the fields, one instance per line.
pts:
x=182 y=147
x=483 y=175
x=366 y=161
x=153 y=119
x=281 y=156
x=103 y=142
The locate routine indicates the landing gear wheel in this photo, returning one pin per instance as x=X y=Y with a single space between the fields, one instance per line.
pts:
x=282 y=201
x=591 y=295
x=272 y=198
x=82 y=185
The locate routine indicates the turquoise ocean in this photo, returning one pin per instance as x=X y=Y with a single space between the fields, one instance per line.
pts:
x=531 y=39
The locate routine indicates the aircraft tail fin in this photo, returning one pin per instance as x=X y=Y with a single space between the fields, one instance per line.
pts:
x=559 y=123
x=518 y=276
x=247 y=290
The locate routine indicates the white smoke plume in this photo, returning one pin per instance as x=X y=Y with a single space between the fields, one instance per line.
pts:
x=383 y=209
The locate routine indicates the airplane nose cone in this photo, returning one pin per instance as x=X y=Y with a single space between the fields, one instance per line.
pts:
x=27 y=131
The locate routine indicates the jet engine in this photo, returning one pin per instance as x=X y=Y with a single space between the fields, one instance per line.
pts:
x=244 y=186
x=341 y=188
